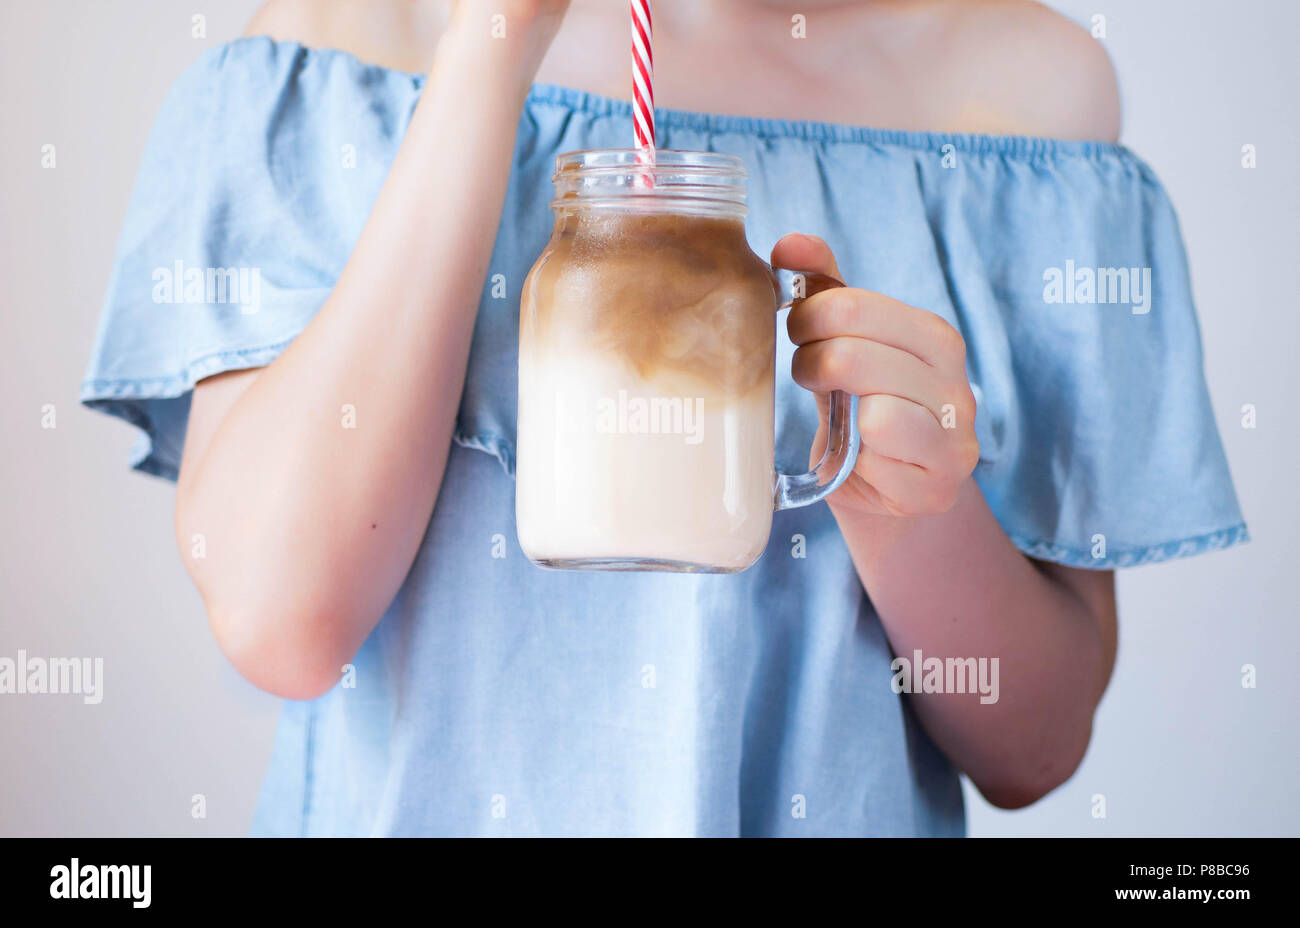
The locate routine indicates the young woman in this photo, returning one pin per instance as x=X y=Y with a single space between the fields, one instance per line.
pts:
x=345 y=441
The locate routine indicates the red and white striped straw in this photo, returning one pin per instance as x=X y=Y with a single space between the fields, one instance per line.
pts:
x=643 y=89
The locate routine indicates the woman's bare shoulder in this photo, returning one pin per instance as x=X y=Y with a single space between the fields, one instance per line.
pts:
x=383 y=32
x=1043 y=73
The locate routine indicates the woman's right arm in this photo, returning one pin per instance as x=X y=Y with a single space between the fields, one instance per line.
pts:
x=309 y=526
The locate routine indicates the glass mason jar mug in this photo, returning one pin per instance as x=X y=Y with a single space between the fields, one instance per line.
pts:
x=647 y=351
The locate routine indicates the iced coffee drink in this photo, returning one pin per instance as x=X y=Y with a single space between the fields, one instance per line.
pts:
x=646 y=366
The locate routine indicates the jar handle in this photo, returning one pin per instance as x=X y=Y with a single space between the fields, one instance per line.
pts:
x=843 y=440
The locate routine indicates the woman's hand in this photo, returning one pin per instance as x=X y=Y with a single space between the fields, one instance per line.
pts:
x=916 y=412
x=954 y=583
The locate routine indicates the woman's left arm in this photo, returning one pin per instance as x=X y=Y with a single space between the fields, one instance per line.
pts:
x=941 y=573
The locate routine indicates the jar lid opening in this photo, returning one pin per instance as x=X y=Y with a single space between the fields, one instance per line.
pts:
x=693 y=180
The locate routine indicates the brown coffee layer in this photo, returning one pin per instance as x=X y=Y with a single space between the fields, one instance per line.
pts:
x=670 y=294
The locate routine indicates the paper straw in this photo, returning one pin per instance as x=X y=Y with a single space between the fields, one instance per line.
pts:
x=643 y=96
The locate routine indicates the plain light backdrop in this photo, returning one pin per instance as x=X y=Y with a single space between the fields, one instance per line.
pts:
x=88 y=566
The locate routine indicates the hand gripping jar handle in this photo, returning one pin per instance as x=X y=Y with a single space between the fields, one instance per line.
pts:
x=842 y=441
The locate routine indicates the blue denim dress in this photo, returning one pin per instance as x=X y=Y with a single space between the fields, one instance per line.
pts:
x=495 y=698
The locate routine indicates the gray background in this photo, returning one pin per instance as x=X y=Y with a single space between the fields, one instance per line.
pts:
x=88 y=566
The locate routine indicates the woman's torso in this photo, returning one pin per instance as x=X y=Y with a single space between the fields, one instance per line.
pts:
x=496 y=698
x=723 y=722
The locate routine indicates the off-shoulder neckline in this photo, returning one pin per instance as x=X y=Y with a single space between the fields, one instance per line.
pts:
x=594 y=104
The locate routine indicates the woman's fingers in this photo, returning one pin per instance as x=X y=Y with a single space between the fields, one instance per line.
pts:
x=864 y=313
x=862 y=367
x=904 y=489
x=850 y=311
x=902 y=430
x=916 y=413
x=807 y=253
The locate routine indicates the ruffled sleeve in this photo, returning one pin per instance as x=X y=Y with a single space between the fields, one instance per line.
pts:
x=231 y=242
x=1068 y=277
